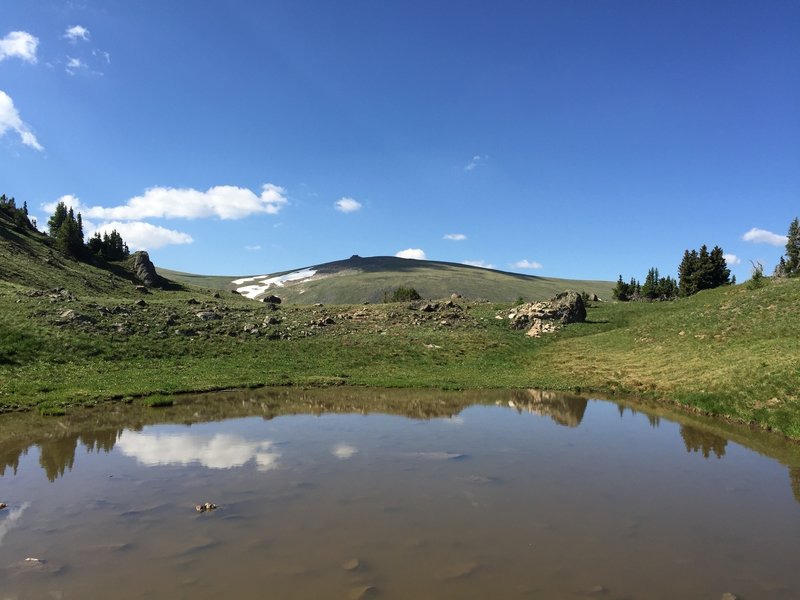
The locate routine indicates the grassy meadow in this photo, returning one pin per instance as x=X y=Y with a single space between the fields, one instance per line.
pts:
x=730 y=352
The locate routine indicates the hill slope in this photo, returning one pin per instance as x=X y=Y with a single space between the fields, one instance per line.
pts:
x=358 y=280
x=731 y=351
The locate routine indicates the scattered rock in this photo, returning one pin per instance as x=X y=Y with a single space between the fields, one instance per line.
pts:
x=455 y=296
x=142 y=289
x=429 y=307
x=207 y=315
x=271 y=300
x=70 y=316
x=271 y=320
x=217 y=295
x=192 y=301
x=140 y=302
x=206 y=506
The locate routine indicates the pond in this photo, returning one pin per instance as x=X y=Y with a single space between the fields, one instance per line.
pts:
x=395 y=494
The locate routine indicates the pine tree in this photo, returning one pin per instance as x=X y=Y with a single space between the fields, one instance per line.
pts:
x=621 y=291
x=57 y=220
x=687 y=273
x=793 y=249
x=720 y=273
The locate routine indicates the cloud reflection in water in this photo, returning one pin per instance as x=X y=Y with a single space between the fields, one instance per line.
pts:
x=220 y=451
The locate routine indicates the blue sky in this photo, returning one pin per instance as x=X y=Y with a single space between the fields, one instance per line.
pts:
x=577 y=139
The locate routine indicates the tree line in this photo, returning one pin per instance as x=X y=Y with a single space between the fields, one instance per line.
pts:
x=703 y=270
x=699 y=270
x=65 y=231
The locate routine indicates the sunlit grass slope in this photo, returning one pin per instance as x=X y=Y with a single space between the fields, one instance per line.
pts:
x=731 y=352
x=359 y=280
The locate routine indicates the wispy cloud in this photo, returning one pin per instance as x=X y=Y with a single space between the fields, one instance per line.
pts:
x=455 y=237
x=415 y=253
x=527 y=264
x=11 y=121
x=732 y=259
x=478 y=263
x=762 y=236
x=255 y=248
x=225 y=202
x=144 y=236
x=347 y=205
x=76 y=33
x=19 y=44
x=74 y=65
x=475 y=161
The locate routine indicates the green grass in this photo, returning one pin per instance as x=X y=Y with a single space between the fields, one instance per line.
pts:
x=730 y=352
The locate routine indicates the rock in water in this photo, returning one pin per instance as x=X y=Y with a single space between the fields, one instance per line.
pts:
x=144 y=269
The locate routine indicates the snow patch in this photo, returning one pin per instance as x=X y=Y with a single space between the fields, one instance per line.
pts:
x=265 y=282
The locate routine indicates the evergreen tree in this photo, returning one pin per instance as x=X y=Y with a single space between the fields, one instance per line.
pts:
x=57 y=220
x=793 y=249
x=720 y=273
x=702 y=270
x=621 y=291
x=687 y=273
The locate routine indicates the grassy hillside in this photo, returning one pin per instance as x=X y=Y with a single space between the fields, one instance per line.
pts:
x=731 y=352
x=358 y=280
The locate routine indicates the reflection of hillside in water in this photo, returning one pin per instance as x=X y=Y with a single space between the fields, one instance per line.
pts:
x=563 y=409
x=101 y=430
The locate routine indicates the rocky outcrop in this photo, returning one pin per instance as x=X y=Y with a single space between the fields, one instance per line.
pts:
x=144 y=269
x=546 y=317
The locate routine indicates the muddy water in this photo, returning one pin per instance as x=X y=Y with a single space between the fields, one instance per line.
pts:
x=491 y=495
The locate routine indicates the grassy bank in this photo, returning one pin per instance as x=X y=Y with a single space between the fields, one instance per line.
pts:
x=731 y=352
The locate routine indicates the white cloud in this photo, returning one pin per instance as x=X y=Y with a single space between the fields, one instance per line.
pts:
x=415 y=253
x=344 y=451
x=475 y=161
x=478 y=263
x=69 y=200
x=254 y=248
x=762 y=236
x=225 y=201
x=348 y=205
x=527 y=264
x=20 y=44
x=10 y=120
x=74 y=65
x=455 y=237
x=14 y=515
x=732 y=259
x=77 y=32
x=221 y=451
x=142 y=236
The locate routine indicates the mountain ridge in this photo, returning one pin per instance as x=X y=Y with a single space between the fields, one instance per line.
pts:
x=367 y=279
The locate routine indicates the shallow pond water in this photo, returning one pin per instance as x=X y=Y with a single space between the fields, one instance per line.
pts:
x=395 y=494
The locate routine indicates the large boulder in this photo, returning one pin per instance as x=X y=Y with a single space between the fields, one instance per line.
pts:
x=144 y=269
x=570 y=307
x=544 y=317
